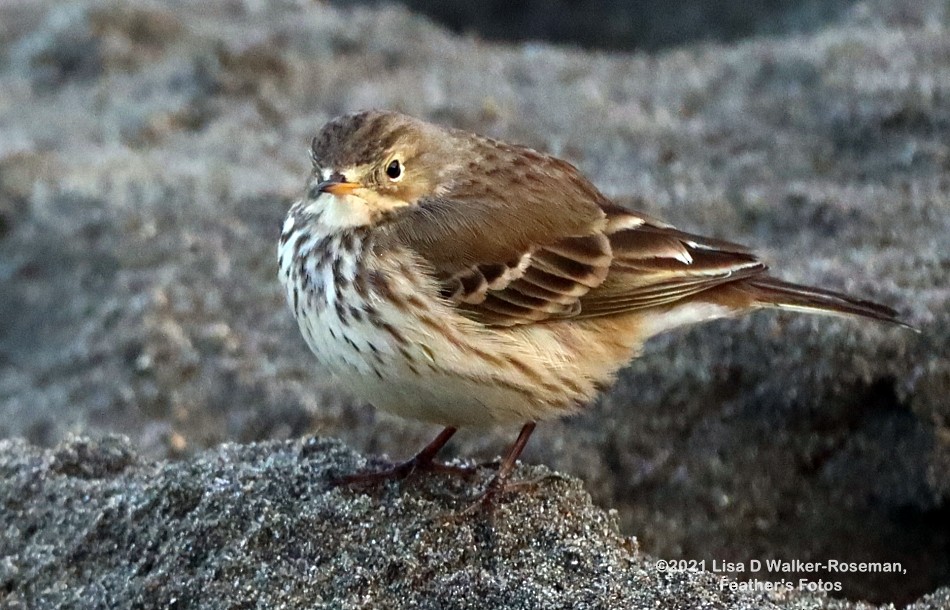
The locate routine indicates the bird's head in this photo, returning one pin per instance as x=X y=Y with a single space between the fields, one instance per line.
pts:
x=370 y=166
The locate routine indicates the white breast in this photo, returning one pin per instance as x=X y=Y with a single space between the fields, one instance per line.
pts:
x=318 y=271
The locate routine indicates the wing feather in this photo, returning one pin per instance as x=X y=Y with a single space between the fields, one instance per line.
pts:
x=655 y=265
x=531 y=253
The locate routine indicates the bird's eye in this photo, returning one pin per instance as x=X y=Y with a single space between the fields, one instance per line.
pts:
x=394 y=170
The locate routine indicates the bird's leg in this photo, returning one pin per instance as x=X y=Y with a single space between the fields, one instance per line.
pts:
x=499 y=482
x=421 y=461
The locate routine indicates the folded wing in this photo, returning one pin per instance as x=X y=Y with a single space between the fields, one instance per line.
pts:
x=531 y=253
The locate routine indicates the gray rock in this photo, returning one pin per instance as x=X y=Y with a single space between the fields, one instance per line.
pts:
x=142 y=185
x=90 y=525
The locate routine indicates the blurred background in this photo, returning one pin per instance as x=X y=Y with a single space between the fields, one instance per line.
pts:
x=149 y=151
x=625 y=25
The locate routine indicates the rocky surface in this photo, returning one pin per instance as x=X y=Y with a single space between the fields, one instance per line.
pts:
x=92 y=525
x=149 y=151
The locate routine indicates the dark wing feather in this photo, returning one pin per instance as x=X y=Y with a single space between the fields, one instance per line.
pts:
x=521 y=256
x=655 y=264
x=517 y=255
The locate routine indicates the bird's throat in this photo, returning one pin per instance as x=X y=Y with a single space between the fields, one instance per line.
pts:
x=364 y=208
x=338 y=212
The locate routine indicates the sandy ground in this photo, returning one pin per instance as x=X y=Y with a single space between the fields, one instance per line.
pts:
x=150 y=150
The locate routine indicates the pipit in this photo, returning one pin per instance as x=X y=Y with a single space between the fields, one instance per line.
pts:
x=456 y=279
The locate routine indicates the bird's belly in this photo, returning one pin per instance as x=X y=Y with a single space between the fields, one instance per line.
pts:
x=410 y=375
x=442 y=399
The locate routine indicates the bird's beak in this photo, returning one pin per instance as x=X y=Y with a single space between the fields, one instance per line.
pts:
x=337 y=185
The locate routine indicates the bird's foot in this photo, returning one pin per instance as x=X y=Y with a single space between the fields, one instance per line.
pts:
x=498 y=488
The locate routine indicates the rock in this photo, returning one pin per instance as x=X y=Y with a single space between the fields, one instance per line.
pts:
x=261 y=525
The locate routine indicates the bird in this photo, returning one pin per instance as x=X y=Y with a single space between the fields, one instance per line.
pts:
x=456 y=279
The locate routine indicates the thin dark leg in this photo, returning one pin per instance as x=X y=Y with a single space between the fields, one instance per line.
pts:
x=420 y=461
x=508 y=462
x=428 y=452
x=498 y=483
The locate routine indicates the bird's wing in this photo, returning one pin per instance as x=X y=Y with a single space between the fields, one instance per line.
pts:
x=654 y=264
x=518 y=255
x=505 y=247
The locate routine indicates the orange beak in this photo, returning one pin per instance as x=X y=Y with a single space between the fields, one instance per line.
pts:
x=337 y=185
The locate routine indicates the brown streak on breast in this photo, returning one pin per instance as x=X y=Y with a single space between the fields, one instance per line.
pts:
x=570 y=385
x=395 y=334
x=341 y=312
x=430 y=322
x=446 y=332
x=338 y=278
x=524 y=369
x=352 y=344
x=359 y=284
x=414 y=301
x=508 y=385
x=380 y=284
x=487 y=357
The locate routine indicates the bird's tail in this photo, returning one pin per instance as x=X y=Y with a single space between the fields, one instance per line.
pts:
x=771 y=292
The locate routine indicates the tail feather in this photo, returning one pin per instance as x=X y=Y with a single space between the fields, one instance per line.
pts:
x=771 y=292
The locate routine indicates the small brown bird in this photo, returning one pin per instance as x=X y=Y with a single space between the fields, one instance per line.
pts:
x=452 y=278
